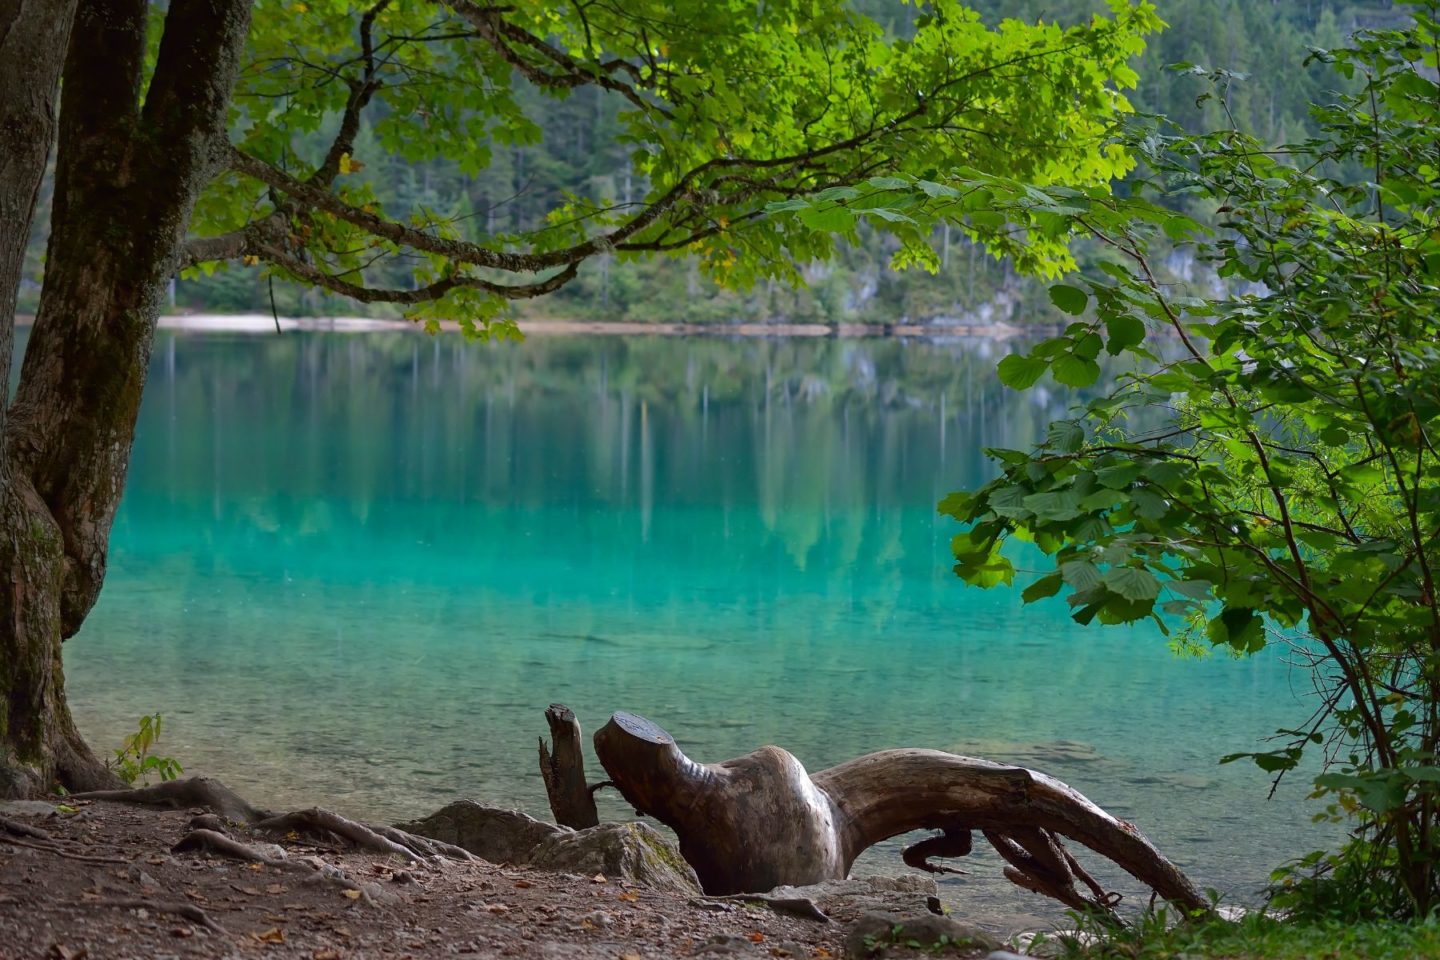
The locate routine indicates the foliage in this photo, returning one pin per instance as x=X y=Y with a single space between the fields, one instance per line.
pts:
x=721 y=108
x=1256 y=936
x=133 y=760
x=1294 y=495
x=577 y=149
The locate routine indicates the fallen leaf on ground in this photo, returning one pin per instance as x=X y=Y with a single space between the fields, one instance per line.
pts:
x=498 y=908
x=351 y=894
x=629 y=956
x=630 y=897
x=197 y=896
x=757 y=937
x=182 y=932
x=524 y=884
x=275 y=888
x=273 y=935
x=598 y=878
x=823 y=954
x=325 y=953
x=257 y=867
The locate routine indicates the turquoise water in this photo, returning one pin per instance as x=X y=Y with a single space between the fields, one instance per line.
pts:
x=354 y=568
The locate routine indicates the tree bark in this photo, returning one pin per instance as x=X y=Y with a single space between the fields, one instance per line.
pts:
x=33 y=39
x=759 y=821
x=571 y=801
x=126 y=180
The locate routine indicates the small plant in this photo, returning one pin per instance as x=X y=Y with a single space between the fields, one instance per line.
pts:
x=134 y=762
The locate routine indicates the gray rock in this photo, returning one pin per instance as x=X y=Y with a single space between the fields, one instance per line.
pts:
x=500 y=836
x=846 y=900
x=1007 y=955
x=886 y=934
x=621 y=851
x=727 y=945
x=27 y=808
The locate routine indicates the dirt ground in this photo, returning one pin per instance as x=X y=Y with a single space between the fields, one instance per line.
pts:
x=105 y=885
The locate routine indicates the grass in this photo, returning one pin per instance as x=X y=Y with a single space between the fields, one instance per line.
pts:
x=1262 y=937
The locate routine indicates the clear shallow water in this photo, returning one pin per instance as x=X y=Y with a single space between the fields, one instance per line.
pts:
x=355 y=568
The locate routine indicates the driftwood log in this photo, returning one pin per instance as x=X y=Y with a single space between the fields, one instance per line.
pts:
x=563 y=768
x=760 y=821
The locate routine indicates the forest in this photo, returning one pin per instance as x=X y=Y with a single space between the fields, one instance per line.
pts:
x=576 y=149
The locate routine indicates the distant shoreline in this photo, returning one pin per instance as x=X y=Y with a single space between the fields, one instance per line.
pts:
x=259 y=323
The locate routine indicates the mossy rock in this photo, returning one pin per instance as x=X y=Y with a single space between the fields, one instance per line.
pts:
x=500 y=836
x=620 y=851
x=893 y=935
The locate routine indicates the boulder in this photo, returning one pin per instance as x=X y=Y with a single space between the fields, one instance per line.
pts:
x=892 y=934
x=500 y=836
x=846 y=900
x=620 y=851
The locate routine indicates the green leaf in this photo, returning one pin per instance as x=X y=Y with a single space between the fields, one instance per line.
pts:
x=1073 y=371
x=828 y=219
x=1132 y=583
x=1019 y=372
x=1065 y=436
x=1194 y=589
x=1124 y=332
x=1068 y=299
x=1046 y=586
x=1239 y=628
x=1081 y=574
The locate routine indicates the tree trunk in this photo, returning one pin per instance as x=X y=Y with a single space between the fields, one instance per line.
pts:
x=756 y=822
x=33 y=38
x=126 y=180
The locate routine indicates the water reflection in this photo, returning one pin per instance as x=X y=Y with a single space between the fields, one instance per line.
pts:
x=358 y=567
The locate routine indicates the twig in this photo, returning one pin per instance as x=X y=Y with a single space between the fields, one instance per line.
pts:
x=47 y=848
x=190 y=912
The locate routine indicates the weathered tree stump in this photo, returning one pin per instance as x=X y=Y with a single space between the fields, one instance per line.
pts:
x=759 y=821
x=571 y=801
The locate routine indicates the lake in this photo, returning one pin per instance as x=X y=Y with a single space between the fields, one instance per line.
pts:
x=353 y=569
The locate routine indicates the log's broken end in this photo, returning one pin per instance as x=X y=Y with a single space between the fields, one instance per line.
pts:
x=637 y=726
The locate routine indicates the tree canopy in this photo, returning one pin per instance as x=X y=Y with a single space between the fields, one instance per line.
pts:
x=723 y=108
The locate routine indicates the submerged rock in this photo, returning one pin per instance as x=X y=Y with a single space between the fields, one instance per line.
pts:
x=620 y=851
x=500 y=836
x=884 y=934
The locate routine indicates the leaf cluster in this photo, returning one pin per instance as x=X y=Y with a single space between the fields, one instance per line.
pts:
x=1293 y=492
x=729 y=112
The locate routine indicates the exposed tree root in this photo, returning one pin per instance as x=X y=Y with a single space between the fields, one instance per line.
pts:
x=218 y=844
x=214 y=795
x=190 y=912
x=323 y=822
x=215 y=844
x=956 y=841
x=22 y=829
x=190 y=792
x=60 y=851
x=756 y=822
x=424 y=846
